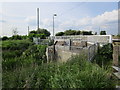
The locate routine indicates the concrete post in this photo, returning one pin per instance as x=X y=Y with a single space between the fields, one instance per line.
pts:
x=89 y=53
x=69 y=44
x=115 y=55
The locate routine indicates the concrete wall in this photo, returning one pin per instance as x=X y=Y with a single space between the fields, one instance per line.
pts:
x=116 y=54
x=103 y=39
x=71 y=42
x=63 y=56
x=63 y=53
x=50 y=53
x=65 y=48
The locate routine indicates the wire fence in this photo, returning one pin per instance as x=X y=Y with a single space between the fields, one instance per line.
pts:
x=41 y=41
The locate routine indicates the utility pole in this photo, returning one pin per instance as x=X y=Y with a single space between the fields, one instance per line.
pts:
x=28 y=30
x=53 y=37
x=37 y=18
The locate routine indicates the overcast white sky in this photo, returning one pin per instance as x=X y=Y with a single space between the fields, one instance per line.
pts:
x=70 y=15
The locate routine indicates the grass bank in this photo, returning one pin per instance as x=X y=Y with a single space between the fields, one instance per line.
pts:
x=76 y=73
x=30 y=70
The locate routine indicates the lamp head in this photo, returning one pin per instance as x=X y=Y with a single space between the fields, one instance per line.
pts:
x=55 y=14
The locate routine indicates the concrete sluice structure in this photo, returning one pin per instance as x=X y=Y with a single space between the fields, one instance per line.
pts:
x=63 y=53
x=67 y=46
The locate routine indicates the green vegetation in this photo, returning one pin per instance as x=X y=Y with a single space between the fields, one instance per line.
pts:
x=116 y=36
x=102 y=32
x=76 y=73
x=5 y=38
x=14 y=48
x=18 y=53
x=87 y=33
x=15 y=44
x=59 y=34
x=14 y=37
x=104 y=56
x=11 y=51
x=74 y=32
x=18 y=37
x=24 y=66
x=42 y=33
x=69 y=32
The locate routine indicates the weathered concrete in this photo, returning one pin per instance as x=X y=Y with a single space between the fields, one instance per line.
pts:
x=63 y=53
x=63 y=56
x=49 y=53
x=102 y=39
x=116 y=52
x=67 y=46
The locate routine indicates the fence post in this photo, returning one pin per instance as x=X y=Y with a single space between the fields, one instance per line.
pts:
x=69 y=44
x=94 y=48
x=88 y=53
x=98 y=47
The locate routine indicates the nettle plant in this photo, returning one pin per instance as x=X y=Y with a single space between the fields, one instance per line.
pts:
x=107 y=51
x=104 y=55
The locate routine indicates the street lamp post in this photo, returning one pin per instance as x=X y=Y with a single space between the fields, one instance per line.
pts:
x=53 y=23
x=53 y=37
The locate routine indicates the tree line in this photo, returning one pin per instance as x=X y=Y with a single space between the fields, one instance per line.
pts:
x=78 y=32
x=44 y=33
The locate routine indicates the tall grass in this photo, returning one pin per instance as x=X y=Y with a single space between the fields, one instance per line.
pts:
x=28 y=70
x=104 y=56
x=76 y=73
x=79 y=73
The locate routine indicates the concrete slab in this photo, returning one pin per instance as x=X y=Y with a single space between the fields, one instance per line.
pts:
x=116 y=68
x=117 y=74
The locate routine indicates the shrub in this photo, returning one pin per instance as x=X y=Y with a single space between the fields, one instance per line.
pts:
x=16 y=44
x=42 y=33
x=36 y=52
x=104 y=55
x=16 y=37
x=59 y=34
x=102 y=32
x=11 y=53
x=5 y=38
x=14 y=48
